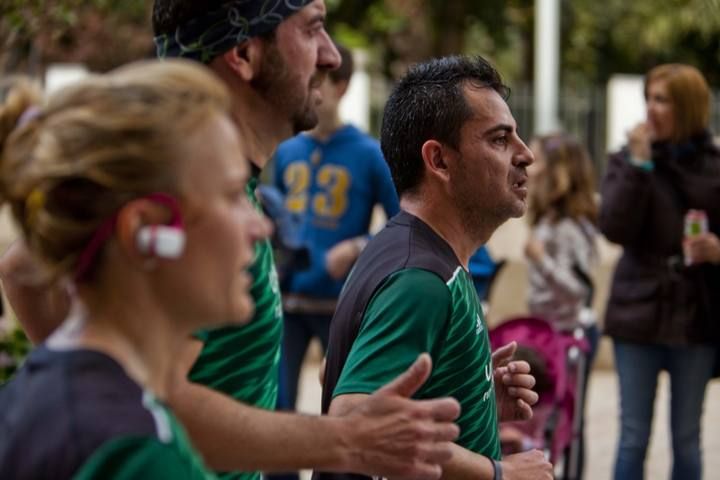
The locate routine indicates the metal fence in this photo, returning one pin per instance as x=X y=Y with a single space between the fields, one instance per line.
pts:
x=582 y=112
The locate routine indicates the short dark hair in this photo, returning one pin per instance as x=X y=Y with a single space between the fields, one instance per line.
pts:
x=429 y=103
x=347 y=66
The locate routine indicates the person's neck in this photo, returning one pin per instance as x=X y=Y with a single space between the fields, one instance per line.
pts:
x=138 y=335
x=326 y=128
x=448 y=224
x=260 y=131
x=260 y=127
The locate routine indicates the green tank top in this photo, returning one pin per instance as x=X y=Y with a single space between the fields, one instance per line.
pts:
x=415 y=311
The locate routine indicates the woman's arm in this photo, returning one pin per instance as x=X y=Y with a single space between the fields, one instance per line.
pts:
x=626 y=196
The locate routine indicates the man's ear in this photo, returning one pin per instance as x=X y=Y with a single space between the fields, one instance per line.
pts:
x=435 y=160
x=245 y=59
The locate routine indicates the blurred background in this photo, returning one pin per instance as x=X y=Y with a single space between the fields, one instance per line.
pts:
x=577 y=46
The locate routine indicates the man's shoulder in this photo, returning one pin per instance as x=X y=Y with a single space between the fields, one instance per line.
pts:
x=417 y=286
x=416 y=245
x=406 y=243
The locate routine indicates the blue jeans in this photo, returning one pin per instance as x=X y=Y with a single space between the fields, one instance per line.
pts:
x=299 y=329
x=638 y=366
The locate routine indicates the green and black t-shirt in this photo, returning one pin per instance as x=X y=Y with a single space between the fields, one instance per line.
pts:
x=76 y=414
x=243 y=361
x=408 y=294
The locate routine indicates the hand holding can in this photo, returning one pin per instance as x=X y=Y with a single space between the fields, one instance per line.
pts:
x=695 y=224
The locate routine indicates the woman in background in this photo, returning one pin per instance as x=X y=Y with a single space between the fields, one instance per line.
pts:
x=129 y=189
x=561 y=249
x=664 y=306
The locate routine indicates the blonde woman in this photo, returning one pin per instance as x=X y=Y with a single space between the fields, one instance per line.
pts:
x=128 y=189
x=563 y=214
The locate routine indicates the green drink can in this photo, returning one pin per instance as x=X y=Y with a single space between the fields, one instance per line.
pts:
x=695 y=223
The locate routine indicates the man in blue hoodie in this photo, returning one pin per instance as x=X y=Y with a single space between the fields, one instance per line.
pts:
x=331 y=178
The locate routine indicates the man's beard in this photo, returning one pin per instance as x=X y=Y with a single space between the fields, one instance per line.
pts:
x=473 y=214
x=285 y=92
x=480 y=212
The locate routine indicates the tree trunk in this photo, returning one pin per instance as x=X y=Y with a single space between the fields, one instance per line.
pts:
x=449 y=19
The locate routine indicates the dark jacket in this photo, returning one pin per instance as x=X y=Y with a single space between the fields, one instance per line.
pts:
x=654 y=298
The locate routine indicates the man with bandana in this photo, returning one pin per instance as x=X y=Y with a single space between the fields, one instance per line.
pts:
x=272 y=55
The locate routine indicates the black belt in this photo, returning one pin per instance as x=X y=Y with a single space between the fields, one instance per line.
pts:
x=301 y=304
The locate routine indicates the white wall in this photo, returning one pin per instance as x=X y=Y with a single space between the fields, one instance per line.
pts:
x=59 y=75
x=625 y=108
x=355 y=105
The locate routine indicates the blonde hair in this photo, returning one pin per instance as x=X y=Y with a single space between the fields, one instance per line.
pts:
x=689 y=94
x=567 y=187
x=96 y=145
x=18 y=94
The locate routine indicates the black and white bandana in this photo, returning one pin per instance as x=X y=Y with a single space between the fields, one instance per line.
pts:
x=215 y=32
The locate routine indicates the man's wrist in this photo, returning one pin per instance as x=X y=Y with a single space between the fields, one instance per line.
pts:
x=497 y=468
x=339 y=455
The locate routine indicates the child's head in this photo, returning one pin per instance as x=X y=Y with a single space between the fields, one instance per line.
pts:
x=538 y=368
x=562 y=179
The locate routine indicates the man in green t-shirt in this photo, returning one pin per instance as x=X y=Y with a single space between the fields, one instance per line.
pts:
x=458 y=165
x=273 y=56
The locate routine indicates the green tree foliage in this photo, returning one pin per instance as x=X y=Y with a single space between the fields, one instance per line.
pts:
x=100 y=33
x=602 y=38
x=597 y=38
x=14 y=347
x=401 y=32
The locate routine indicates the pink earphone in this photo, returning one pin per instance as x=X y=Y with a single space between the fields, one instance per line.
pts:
x=163 y=241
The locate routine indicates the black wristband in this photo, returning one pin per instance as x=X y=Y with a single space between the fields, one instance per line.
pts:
x=497 y=467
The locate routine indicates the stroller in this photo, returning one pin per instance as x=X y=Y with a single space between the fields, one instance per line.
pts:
x=556 y=427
